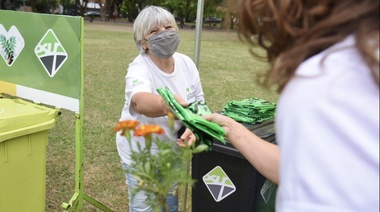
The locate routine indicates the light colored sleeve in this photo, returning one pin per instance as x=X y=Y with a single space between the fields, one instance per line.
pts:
x=137 y=80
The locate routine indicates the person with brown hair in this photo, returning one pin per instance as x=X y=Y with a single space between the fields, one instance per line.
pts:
x=324 y=60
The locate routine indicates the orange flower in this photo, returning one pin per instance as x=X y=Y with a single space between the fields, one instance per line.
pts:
x=126 y=125
x=146 y=130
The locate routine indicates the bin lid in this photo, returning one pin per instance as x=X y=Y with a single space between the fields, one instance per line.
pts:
x=17 y=115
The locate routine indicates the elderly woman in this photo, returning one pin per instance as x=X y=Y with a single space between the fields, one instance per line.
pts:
x=157 y=66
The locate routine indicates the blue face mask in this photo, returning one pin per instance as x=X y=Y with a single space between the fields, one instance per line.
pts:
x=164 y=44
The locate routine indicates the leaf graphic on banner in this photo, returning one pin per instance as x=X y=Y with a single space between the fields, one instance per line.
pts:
x=11 y=44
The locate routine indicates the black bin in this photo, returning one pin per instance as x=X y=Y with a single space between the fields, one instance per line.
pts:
x=226 y=181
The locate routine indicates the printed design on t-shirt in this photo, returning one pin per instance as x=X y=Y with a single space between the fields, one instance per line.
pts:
x=219 y=184
x=136 y=83
x=190 y=92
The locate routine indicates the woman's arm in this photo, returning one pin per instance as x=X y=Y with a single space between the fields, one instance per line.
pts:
x=152 y=105
x=263 y=155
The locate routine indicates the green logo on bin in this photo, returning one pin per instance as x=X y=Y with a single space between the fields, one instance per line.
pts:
x=219 y=184
x=51 y=53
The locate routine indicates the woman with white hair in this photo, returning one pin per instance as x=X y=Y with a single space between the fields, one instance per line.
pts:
x=157 y=66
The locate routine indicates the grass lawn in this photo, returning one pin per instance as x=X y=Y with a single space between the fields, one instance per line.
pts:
x=226 y=70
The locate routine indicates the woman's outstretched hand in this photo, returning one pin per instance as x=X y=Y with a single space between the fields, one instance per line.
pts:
x=186 y=139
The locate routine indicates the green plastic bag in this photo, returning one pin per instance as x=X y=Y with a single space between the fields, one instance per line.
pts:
x=205 y=131
x=250 y=111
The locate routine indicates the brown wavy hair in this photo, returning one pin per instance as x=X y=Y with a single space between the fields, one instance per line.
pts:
x=292 y=31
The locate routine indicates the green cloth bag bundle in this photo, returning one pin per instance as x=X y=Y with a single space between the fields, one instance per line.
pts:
x=250 y=111
x=205 y=131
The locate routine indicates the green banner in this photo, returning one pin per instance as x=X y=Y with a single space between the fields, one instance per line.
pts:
x=42 y=57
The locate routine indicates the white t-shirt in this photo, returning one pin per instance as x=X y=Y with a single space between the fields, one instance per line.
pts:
x=327 y=127
x=144 y=76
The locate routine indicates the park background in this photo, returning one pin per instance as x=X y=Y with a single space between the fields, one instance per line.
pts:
x=227 y=73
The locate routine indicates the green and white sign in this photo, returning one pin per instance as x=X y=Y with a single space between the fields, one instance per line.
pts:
x=219 y=184
x=51 y=53
x=42 y=58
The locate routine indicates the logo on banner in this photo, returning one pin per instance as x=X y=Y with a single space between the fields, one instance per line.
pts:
x=219 y=184
x=51 y=53
x=11 y=44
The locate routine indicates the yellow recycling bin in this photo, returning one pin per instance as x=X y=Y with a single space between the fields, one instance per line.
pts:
x=23 y=139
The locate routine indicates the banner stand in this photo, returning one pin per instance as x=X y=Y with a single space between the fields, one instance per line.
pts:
x=76 y=201
x=37 y=53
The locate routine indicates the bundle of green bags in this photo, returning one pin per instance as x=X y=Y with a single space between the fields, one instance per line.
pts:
x=250 y=111
x=205 y=131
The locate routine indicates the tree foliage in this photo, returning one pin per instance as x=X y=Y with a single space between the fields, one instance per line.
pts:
x=184 y=10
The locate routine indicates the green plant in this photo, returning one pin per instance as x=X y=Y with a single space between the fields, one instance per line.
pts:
x=156 y=173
